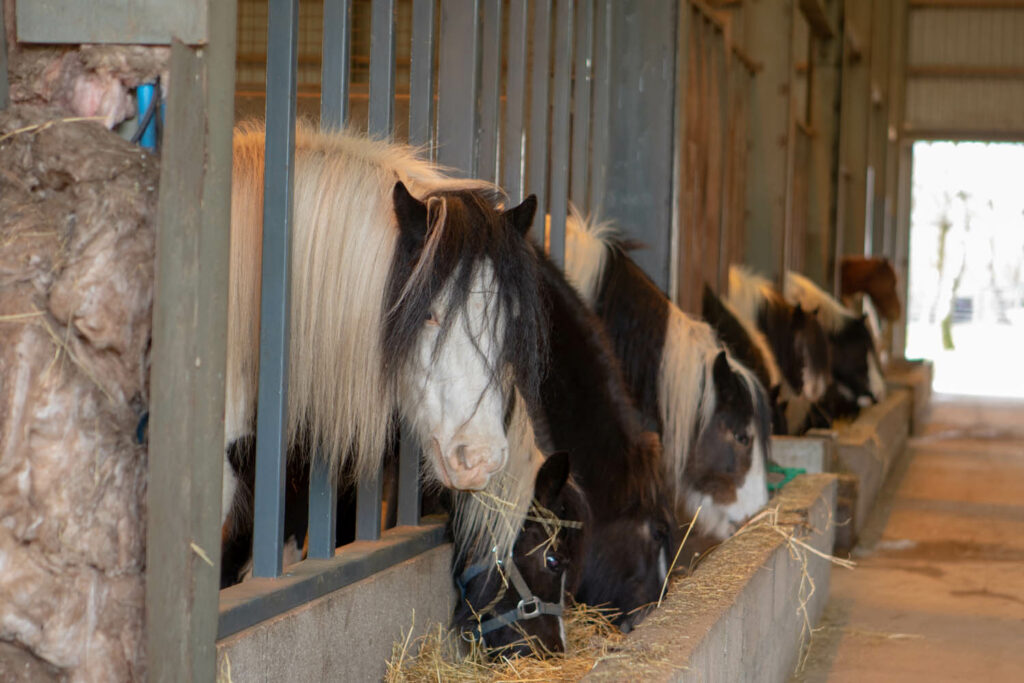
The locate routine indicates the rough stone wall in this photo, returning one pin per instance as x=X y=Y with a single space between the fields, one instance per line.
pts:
x=77 y=206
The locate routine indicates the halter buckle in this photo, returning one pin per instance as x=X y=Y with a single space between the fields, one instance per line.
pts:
x=528 y=608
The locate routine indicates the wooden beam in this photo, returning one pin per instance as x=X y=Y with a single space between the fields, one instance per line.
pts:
x=966 y=4
x=817 y=19
x=186 y=448
x=963 y=134
x=1008 y=71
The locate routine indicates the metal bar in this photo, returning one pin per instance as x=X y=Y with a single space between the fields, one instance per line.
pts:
x=490 y=91
x=382 y=68
x=513 y=172
x=580 y=169
x=458 y=84
x=275 y=316
x=337 y=55
x=602 y=102
x=540 y=92
x=186 y=441
x=257 y=600
x=323 y=505
x=421 y=74
x=368 y=499
x=408 y=479
x=558 y=207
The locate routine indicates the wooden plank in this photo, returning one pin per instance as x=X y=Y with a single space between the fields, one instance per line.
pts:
x=966 y=4
x=817 y=18
x=145 y=22
x=186 y=442
x=1007 y=71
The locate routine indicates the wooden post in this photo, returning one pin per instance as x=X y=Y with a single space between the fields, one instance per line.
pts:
x=186 y=447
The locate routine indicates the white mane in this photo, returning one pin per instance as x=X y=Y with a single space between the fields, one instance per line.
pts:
x=344 y=233
x=687 y=362
x=763 y=347
x=830 y=313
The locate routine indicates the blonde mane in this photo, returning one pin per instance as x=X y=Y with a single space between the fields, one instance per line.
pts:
x=344 y=234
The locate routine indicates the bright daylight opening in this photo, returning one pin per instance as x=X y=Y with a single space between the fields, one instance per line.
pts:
x=966 y=282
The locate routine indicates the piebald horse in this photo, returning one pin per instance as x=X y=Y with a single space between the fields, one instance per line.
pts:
x=712 y=412
x=436 y=316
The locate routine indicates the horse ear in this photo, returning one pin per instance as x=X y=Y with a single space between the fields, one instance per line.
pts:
x=551 y=478
x=521 y=216
x=721 y=372
x=709 y=302
x=411 y=212
x=799 y=316
x=774 y=392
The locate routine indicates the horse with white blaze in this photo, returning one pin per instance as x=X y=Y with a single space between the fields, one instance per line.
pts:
x=436 y=316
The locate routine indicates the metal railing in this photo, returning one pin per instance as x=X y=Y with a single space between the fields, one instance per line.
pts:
x=533 y=119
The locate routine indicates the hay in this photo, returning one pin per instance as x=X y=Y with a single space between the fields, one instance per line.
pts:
x=590 y=638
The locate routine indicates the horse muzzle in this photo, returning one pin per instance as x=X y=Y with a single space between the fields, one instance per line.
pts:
x=468 y=464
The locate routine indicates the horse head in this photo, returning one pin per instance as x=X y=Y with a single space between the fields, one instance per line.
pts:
x=812 y=352
x=464 y=324
x=516 y=607
x=855 y=366
x=628 y=553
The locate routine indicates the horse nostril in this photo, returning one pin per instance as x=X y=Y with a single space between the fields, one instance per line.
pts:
x=460 y=454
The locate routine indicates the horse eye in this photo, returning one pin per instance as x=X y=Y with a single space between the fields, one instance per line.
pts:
x=432 y=318
x=743 y=439
x=552 y=563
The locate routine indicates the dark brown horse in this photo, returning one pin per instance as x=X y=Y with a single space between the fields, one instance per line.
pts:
x=874 y=277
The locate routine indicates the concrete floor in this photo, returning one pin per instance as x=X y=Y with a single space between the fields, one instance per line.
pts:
x=938 y=594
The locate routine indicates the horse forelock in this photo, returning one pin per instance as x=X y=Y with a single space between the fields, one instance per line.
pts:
x=467 y=236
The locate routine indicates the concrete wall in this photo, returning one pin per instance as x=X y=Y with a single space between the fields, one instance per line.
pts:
x=346 y=635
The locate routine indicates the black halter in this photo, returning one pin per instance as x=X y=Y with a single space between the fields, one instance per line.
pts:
x=530 y=606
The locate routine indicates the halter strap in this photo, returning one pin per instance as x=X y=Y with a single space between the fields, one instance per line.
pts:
x=530 y=606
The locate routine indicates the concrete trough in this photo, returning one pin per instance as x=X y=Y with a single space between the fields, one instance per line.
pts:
x=916 y=377
x=347 y=634
x=745 y=613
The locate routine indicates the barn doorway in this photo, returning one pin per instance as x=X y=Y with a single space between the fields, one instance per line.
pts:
x=965 y=307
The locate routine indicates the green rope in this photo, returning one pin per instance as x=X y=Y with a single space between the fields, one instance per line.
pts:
x=788 y=475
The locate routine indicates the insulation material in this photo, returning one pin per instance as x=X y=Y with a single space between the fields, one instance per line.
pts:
x=86 y=80
x=77 y=206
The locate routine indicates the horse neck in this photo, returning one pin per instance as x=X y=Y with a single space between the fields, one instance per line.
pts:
x=586 y=407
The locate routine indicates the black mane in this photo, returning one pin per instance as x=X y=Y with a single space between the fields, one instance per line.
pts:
x=734 y=336
x=635 y=313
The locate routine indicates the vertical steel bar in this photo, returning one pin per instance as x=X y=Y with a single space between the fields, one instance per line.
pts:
x=421 y=74
x=337 y=55
x=560 y=119
x=540 y=93
x=602 y=102
x=272 y=413
x=334 y=85
x=408 y=479
x=382 y=115
x=515 y=101
x=458 y=85
x=580 y=170
x=382 y=68
x=490 y=91
x=323 y=506
x=368 y=500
